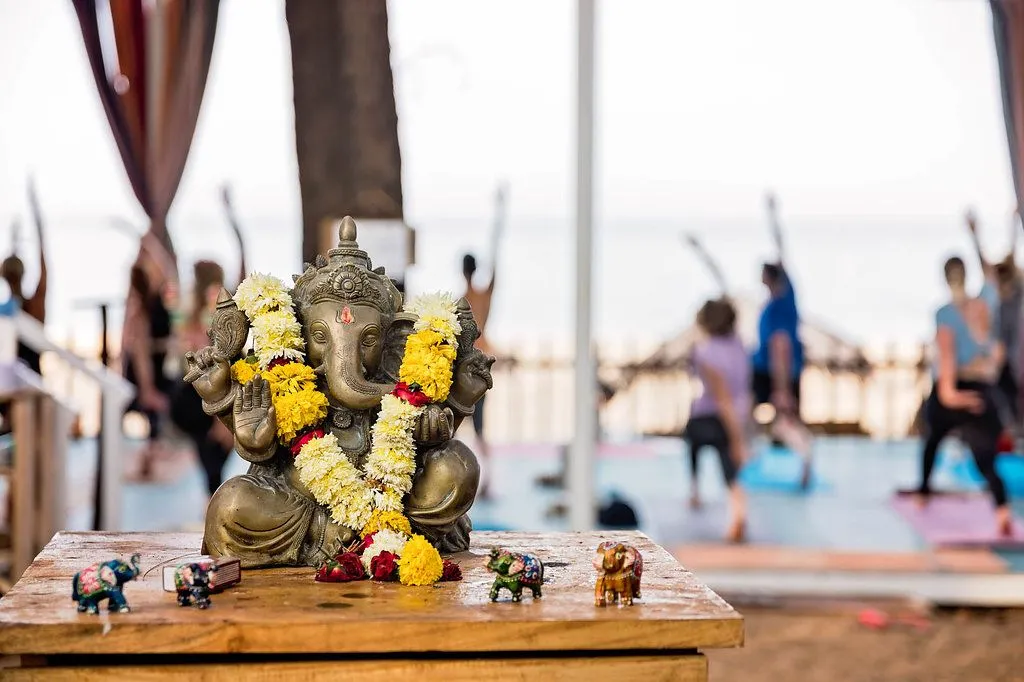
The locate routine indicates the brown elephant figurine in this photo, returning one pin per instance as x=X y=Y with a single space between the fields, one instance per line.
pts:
x=619 y=568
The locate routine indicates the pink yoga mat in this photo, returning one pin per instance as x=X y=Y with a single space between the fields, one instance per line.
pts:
x=958 y=520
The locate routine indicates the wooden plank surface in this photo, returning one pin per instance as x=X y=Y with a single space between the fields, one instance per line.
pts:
x=648 y=668
x=23 y=488
x=285 y=611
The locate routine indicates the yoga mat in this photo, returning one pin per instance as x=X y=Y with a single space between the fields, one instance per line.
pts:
x=957 y=520
x=964 y=471
x=553 y=450
x=777 y=469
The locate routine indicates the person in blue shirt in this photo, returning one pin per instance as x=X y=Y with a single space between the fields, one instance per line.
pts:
x=779 y=359
x=778 y=363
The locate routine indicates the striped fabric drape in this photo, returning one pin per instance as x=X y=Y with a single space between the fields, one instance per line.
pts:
x=150 y=61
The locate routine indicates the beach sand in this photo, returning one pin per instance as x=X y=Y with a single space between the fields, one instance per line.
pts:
x=827 y=643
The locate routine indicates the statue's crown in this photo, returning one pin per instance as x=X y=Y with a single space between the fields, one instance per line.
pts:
x=347 y=275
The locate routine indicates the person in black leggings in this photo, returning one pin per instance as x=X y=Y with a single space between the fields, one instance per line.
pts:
x=719 y=416
x=979 y=429
x=964 y=396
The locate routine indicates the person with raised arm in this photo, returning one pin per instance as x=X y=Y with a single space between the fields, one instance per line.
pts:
x=480 y=301
x=964 y=396
x=13 y=271
x=213 y=441
x=1004 y=294
x=779 y=358
x=146 y=336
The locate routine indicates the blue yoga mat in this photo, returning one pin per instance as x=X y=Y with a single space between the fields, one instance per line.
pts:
x=777 y=469
x=1010 y=468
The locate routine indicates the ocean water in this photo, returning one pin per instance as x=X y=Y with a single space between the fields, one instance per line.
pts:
x=874 y=281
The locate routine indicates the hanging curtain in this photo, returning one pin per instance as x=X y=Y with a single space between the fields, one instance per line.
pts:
x=150 y=61
x=1008 y=27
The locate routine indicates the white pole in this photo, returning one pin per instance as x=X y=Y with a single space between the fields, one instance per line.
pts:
x=581 y=457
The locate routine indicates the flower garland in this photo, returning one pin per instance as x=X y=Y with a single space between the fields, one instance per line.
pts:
x=368 y=501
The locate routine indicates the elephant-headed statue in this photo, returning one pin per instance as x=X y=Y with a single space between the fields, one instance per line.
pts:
x=354 y=331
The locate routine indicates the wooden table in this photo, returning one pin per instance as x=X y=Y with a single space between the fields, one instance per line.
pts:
x=279 y=623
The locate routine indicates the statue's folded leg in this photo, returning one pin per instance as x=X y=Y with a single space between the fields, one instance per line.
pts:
x=443 y=494
x=264 y=522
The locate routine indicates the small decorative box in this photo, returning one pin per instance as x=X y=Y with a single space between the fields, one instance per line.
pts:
x=229 y=572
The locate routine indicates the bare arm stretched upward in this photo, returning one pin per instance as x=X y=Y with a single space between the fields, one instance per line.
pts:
x=972 y=226
x=236 y=227
x=499 y=227
x=776 y=228
x=36 y=306
x=709 y=262
x=1015 y=228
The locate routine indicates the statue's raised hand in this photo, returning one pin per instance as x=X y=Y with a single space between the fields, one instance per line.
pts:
x=254 y=419
x=209 y=373
x=436 y=425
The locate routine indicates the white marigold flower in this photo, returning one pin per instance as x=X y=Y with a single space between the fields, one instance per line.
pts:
x=260 y=293
x=438 y=311
x=277 y=334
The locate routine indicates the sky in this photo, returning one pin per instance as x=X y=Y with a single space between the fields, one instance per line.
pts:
x=876 y=122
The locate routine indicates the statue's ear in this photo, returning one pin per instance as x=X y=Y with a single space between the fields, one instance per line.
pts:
x=394 y=346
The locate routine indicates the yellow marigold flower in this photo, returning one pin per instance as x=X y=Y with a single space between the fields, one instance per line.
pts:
x=420 y=563
x=291 y=377
x=387 y=520
x=243 y=372
x=428 y=362
x=297 y=411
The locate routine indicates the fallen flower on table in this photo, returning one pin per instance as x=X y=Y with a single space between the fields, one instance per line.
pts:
x=384 y=567
x=342 y=569
x=450 y=571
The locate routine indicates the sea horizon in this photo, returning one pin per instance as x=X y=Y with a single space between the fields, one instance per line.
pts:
x=874 y=281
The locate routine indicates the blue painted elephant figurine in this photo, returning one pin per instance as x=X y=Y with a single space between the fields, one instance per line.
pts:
x=514 y=572
x=103 y=581
x=192 y=582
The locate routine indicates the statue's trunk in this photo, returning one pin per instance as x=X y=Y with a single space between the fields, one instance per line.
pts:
x=347 y=383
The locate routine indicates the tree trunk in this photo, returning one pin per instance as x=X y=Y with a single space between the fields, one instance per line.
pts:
x=346 y=124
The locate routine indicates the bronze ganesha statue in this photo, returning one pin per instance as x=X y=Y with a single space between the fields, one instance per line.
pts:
x=267 y=517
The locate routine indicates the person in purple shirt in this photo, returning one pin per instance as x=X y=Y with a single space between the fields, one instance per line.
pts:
x=719 y=416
